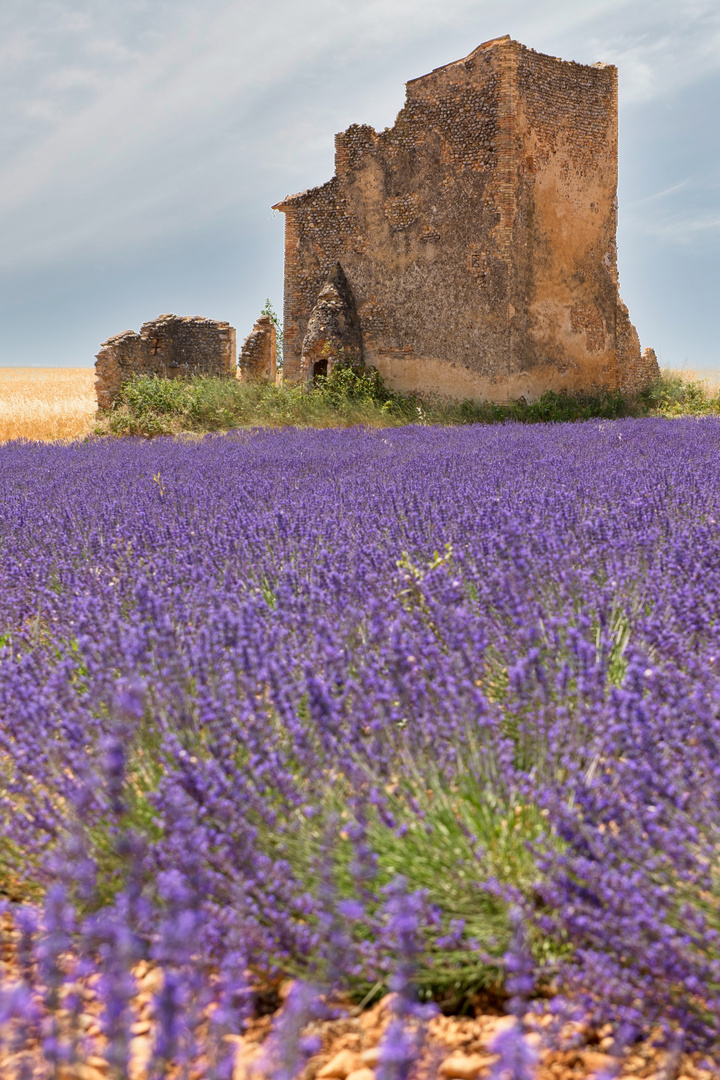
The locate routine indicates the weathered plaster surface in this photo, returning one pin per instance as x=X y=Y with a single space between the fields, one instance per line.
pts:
x=477 y=234
x=170 y=346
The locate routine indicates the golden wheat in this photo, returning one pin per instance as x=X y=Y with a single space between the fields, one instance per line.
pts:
x=710 y=380
x=46 y=403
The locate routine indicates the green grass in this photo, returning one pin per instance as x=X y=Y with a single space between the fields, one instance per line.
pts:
x=150 y=406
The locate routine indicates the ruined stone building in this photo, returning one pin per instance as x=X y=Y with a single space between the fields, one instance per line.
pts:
x=170 y=346
x=470 y=249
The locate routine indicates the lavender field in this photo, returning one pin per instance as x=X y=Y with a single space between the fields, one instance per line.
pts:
x=349 y=706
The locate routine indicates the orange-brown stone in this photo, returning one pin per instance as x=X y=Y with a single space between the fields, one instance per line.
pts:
x=258 y=355
x=477 y=234
x=170 y=347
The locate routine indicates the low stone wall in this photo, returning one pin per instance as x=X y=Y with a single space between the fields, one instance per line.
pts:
x=171 y=346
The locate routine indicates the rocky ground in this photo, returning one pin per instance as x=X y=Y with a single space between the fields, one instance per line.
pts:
x=455 y=1047
x=458 y=1048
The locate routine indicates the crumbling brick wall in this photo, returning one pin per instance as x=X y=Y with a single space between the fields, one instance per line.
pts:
x=170 y=346
x=258 y=355
x=477 y=234
x=639 y=371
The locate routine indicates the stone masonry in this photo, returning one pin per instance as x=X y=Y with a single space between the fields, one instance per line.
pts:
x=170 y=346
x=333 y=332
x=258 y=356
x=476 y=235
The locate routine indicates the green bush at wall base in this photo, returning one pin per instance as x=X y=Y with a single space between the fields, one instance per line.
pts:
x=150 y=406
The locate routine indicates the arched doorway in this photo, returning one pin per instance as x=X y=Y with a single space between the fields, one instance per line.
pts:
x=320 y=367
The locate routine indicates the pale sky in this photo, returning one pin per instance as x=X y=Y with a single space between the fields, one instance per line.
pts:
x=143 y=142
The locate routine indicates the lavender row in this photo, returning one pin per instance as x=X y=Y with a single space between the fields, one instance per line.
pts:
x=247 y=682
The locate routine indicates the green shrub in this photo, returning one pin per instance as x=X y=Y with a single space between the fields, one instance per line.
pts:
x=149 y=405
x=147 y=394
x=675 y=394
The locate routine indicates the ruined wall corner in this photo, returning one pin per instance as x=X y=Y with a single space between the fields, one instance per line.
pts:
x=636 y=369
x=258 y=355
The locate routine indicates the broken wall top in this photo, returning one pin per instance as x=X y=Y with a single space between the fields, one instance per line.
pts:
x=167 y=324
x=359 y=139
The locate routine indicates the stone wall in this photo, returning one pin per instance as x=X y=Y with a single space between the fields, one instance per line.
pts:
x=639 y=371
x=477 y=235
x=170 y=346
x=258 y=355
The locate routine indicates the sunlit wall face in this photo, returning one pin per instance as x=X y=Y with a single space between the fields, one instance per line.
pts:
x=142 y=146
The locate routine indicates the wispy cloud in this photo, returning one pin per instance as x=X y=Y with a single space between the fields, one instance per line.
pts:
x=682 y=229
x=684 y=214
x=125 y=126
x=657 y=196
x=659 y=47
x=175 y=110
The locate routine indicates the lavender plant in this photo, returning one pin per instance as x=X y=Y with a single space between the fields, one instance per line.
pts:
x=479 y=652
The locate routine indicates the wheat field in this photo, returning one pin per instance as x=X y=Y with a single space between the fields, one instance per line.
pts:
x=46 y=403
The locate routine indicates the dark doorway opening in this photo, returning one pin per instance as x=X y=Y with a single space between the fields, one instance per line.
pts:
x=320 y=367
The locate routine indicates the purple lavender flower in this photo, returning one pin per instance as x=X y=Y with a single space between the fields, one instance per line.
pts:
x=519 y=966
x=517 y=1058
x=404 y=1037
x=286 y=1052
x=169 y=1009
x=115 y=750
x=59 y=924
x=130 y=699
x=312 y=620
